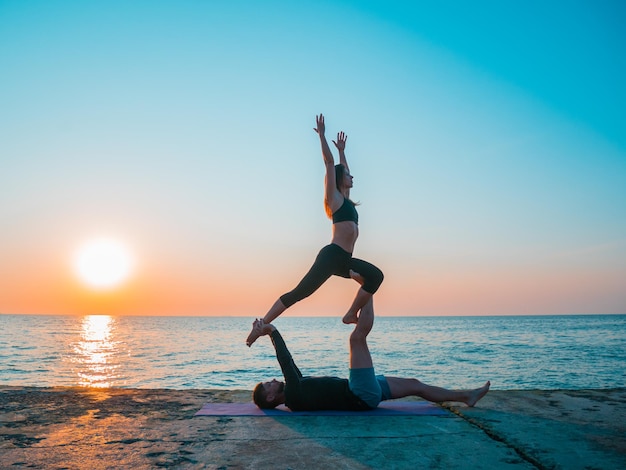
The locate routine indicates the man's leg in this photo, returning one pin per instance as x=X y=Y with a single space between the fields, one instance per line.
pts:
x=360 y=356
x=363 y=382
x=400 y=388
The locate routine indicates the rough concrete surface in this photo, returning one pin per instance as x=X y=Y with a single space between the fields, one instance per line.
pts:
x=76 y=428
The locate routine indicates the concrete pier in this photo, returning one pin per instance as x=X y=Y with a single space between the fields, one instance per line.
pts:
x=75 y=428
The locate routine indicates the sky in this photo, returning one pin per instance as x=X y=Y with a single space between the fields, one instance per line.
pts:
x=487 y=141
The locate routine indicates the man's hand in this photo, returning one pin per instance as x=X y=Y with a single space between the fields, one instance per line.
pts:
x=321 y=127
x=341 y=141
x=263 y=328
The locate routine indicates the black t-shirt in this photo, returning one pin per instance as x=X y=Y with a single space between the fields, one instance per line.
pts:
x=313 y=393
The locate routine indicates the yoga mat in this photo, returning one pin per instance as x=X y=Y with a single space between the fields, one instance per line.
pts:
x=388 y=408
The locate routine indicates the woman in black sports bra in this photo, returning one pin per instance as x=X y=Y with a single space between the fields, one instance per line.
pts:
x=335 y=258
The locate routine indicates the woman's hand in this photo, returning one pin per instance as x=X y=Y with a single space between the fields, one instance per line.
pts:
x=321 y=127
x=341 y=141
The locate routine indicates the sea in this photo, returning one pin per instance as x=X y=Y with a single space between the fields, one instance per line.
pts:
x=514 y=352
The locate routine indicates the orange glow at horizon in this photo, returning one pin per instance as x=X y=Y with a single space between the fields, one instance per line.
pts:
x=168 y=284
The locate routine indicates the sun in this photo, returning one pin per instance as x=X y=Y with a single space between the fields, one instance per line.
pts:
x=103 y=263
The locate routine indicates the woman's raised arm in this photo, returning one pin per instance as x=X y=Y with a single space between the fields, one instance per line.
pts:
x=341 y=146
x=331 y=195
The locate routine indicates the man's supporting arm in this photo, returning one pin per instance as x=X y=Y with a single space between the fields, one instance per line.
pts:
x=289 y=368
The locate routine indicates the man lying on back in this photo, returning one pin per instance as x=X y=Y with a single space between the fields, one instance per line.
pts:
x=363 y=390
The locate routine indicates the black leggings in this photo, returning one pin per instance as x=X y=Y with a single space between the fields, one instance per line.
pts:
x=333 y=260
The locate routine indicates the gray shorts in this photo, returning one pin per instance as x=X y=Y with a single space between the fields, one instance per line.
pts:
x=368 y=386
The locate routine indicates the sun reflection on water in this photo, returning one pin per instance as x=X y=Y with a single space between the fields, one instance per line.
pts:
x=95 y=352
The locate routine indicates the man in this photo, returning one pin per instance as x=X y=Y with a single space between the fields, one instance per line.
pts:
x=362 y=391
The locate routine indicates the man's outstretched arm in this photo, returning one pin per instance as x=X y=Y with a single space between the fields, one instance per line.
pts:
x=287 y=365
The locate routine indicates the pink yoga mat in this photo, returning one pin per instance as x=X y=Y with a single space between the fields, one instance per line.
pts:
x=388 y=408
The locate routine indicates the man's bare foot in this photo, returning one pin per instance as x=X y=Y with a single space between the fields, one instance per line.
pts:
x=478 y=393
x=349 y=318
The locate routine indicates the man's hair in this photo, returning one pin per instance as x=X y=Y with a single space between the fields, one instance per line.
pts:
x=260 y=398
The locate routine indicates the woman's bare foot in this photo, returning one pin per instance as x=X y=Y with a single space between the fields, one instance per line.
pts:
x=349 y=318
x=477 y=394
x=252 y=337
x=352 y=317
x=357 y=277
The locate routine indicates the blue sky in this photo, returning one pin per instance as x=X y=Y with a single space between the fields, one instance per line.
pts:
x=487 y=141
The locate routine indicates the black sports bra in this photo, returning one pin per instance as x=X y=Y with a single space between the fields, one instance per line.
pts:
x=347 y=212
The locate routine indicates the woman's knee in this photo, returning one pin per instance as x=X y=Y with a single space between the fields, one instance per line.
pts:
x=294 y=296
x=373 y=280
x=291 y=298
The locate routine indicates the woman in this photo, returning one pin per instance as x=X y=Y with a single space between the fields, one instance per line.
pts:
x=336 y=258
